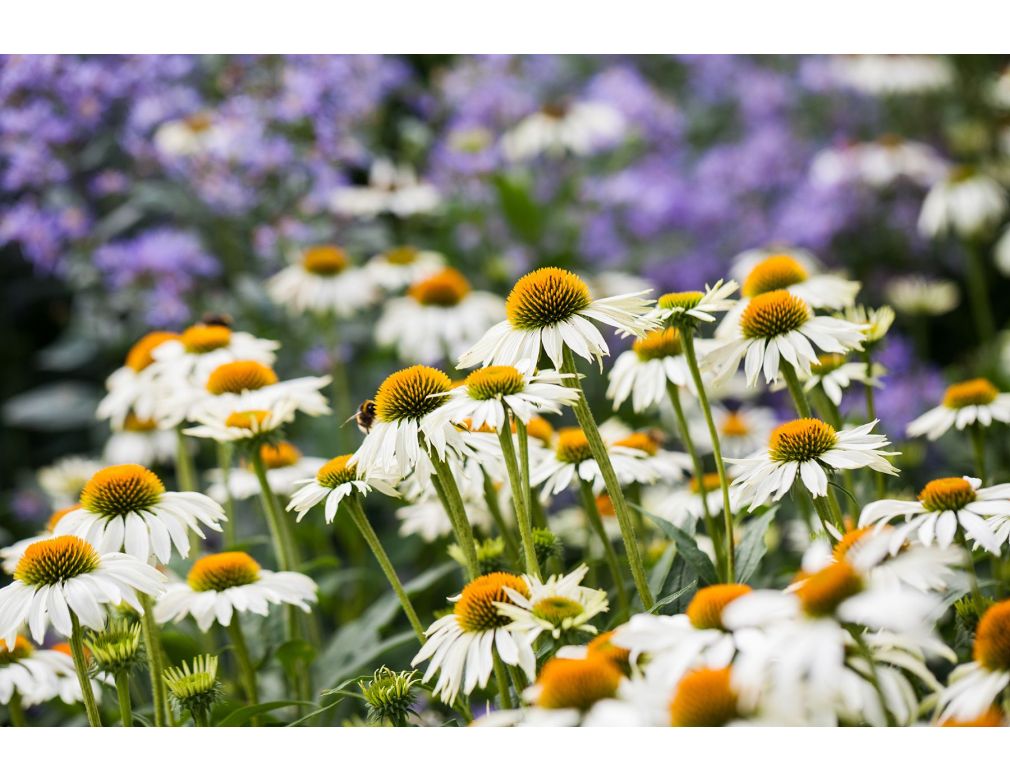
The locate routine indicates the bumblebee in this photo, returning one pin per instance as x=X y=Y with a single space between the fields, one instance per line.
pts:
x=364 y=417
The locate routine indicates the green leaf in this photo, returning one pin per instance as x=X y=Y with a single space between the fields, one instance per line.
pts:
x=239 y=717
x=696 y=559
x=295 y=653
x=669 y=599
x=524 y=215
x=359 y=642
x=752 y=546
x=661 y=569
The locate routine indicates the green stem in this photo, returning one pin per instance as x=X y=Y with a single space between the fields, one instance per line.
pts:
x=282 y=552
x=224 y=452
x=981 y=309
x=448 y=492
x=16 y=711
x=81 y=665
x=795 y=389
x=185 y=472
x=519 y=497
x=523 y=437
x=123 y=695
x=828 y=513
x=503 y=681
x=200 y=718
x=491 y=499
x=687 y=340
x=699 y=475
x=977 y=433
x=247 y=672
x=286 y=561
x=155 y=661
x=599 y=450
x=596 y=522
x=864 y=651
x=361 y=521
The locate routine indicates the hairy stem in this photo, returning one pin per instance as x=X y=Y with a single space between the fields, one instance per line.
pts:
x=361 y=521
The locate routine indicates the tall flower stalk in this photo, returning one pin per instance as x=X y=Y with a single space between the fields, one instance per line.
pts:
x=587 y=422
x=520 y=492
x=690 y=354
x=361 y=521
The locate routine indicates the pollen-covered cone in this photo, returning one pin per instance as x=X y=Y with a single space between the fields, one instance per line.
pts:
x=126 y=507
x=64 y=574
x=550 y=309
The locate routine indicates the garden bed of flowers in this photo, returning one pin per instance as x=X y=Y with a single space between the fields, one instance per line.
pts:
x=494 y=391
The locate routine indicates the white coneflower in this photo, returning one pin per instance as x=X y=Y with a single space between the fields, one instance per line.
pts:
x=975 y=686
x=239 y=385
x=133 y=388
x=571 y=460
x=944 y=506
x=200 y=349
x=222 y=584
x=766 y=271
x=742 y=430
x=401 y=267
x=391 y=188
x=876 y=322
x=63 y=480
x=917 y=295
x=197 y=134
x=645 y=372
x=549 y=309
x=461 y=645
x=892 y=74
x=685 y=503
x=322 y=281
x=691 y=307
x=64 y=575
x=878 y=164
x=126 y=507
x=242 y=419
x=577 y=127
x=25 y=672
x=438 y=318
x=696 y=638
x=404 y=407
x=12 y=553
x=559 y=606
x=966 y=203
x=969 y=403
x=426 y=517
x=335 y=480
x=833 y=374
x=776 y=327
x=483 y=397
x=807 y=448
x=139 y=441
x=285 y=466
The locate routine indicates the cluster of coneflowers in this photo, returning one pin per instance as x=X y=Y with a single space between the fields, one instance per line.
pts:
x=672 y=613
